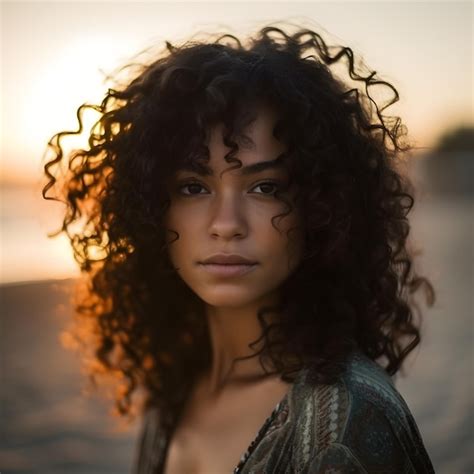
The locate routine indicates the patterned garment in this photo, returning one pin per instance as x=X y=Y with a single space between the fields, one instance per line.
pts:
x=361 y=424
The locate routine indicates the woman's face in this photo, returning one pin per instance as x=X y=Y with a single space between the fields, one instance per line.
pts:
x=231 y=214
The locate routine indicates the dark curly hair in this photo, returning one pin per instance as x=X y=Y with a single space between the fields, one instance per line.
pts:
x=354 y=288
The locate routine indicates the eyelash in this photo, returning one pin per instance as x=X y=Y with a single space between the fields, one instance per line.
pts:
x=196 y=183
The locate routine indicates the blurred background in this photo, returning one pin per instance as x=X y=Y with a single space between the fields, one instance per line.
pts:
x=55 y=56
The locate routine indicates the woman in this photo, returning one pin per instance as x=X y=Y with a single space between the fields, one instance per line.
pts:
x=247 y=257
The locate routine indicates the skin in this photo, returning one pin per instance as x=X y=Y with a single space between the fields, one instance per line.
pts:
x=231 y=213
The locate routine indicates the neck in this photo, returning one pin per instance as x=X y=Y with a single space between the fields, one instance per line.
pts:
x=231 y=330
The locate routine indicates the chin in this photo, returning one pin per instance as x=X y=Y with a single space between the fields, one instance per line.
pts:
x=229 y=298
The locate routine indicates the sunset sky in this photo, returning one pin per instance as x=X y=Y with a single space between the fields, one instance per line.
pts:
x=55 y=56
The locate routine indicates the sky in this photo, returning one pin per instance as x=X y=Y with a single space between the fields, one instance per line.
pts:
x=55 y=56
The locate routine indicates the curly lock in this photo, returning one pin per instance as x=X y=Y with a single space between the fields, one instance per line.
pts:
x=354 y=288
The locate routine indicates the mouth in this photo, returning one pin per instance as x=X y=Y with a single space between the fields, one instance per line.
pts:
x=228 y=269
x=228 y=259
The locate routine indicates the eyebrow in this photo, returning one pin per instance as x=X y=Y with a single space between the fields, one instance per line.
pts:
x=204 y=170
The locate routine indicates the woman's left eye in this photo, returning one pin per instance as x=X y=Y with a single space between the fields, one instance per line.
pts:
x=266 y=184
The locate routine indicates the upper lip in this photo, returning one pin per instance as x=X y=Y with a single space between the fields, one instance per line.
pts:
x=228 y=258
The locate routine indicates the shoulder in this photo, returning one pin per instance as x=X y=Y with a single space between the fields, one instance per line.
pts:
x=361 y=421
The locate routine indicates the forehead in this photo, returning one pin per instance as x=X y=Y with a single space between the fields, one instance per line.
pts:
x=258 y=149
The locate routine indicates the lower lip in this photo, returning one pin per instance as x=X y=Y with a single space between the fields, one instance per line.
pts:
x=227 y=270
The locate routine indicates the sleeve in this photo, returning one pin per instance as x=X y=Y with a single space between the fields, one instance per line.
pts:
x=335 y=459
x=374 y=442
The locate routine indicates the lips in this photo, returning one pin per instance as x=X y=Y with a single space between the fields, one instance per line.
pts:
x=228 y=259
x=218 y=270
x=228 y=265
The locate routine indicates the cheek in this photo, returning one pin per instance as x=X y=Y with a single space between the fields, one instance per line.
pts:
x=286 y=242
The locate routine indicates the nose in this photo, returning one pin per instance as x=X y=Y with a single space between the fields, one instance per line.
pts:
x=228 y=218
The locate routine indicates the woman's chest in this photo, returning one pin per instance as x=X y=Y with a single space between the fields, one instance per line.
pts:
x=207 y=452
x=213 y=440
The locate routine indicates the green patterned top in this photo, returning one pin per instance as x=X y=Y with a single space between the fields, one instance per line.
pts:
x=361 y=424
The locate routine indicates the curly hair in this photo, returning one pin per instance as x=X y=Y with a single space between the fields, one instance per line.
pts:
x=355 y=286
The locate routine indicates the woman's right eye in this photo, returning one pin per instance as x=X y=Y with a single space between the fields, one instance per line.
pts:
x=191 y=186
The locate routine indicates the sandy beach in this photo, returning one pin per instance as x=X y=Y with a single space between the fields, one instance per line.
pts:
x=48 y=426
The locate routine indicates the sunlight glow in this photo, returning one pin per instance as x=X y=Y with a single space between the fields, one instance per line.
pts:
x=72 y=77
